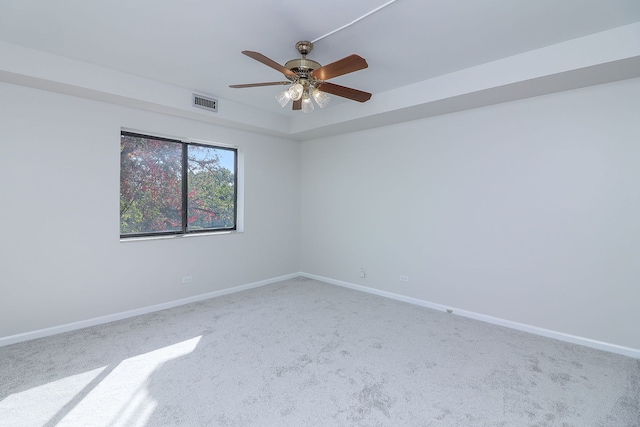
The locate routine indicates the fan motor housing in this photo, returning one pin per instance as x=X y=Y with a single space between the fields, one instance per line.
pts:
x=302 y=66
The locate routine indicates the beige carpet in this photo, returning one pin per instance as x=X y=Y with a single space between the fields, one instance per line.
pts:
x=306 y=353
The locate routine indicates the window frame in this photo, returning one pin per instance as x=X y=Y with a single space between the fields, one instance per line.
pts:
x=184 y=188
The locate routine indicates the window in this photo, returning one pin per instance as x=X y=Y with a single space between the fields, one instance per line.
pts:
x=173 y=187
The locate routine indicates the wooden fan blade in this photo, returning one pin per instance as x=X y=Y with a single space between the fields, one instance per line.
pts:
x=345 y=92
x=270 y=63
x=297 y=105
x=342 y=66
x=260 y=84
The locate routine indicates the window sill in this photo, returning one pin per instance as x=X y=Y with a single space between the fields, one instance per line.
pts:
x=178 y=236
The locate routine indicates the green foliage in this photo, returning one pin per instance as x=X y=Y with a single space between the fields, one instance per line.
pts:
x=211 y=191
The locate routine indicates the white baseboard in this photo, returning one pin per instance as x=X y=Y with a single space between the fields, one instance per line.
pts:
x=613 y=348
x=40 y=333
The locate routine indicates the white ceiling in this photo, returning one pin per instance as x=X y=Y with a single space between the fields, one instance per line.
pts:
x=196 y=44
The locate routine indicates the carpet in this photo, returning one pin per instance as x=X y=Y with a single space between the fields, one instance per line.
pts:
x=306 y=353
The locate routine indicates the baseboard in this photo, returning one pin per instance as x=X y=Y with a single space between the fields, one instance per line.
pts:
x=613 y=348
x=40 y=333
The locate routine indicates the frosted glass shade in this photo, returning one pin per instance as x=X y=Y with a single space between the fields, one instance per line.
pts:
x=295 y=91
x=283 y=98
x=307 y=105
x=322 y=99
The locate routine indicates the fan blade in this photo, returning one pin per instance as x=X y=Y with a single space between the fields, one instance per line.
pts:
x=270 y=63
x=342 y=66
x=345 y=92
x=297 y=105
x=260 y=84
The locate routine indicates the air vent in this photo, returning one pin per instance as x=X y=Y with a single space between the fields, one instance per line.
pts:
x=205 y=103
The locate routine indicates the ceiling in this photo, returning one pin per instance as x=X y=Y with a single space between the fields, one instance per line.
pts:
x=197 y=44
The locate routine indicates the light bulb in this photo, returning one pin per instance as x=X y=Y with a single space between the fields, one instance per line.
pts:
x=307 y=105
x=283 y=98
x=295 y=91
x=321 y=98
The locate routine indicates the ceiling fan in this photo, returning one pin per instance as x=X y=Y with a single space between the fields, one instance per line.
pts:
x=307 y=78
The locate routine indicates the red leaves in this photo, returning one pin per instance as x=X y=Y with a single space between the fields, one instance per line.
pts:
x=150 y=185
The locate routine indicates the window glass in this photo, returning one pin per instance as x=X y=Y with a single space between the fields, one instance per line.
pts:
x=172 y=187
x=211 y=188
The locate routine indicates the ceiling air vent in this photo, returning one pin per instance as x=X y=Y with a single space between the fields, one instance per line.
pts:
x=205 y=103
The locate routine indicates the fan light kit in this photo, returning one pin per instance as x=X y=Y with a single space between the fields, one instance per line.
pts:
x=307 y=79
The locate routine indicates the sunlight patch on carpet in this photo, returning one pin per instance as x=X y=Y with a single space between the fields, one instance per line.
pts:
x=51 y=398
x=110 y=396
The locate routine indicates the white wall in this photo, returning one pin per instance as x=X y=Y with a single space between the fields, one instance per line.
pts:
x=527 y=211
x=61 y=256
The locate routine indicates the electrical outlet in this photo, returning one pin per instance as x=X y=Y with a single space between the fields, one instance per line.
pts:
x=363 y=272
x=404 y=278
x=187 y=279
